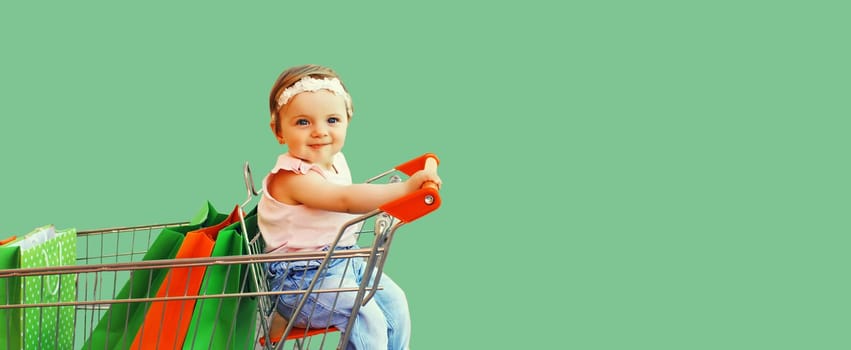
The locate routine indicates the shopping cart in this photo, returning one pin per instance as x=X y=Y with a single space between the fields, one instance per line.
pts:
x=219 y=301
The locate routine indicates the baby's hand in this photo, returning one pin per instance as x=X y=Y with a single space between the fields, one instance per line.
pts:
x=421 y=177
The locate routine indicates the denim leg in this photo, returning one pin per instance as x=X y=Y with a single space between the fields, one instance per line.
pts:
x=332 y=309
x=394 y=305
x=383 y=323
x=369 y=330
x=320 y=309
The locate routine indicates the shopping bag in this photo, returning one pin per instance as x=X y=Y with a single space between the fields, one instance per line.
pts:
x=50 y=327
x=166 y=322
x=225 y=323
x=119 y=325
x=10 y=294
x=46 y=327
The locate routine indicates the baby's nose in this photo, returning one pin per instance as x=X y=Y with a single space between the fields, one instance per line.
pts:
x=320 y=130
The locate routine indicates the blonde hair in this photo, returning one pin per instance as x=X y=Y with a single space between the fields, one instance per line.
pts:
x=290 y=77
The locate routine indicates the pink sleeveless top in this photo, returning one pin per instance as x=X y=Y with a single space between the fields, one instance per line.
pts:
x=291 y=228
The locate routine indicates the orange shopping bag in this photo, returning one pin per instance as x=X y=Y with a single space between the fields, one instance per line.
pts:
x=166 y=322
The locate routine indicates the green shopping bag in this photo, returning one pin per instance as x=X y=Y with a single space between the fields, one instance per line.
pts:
x=225 y=323
x=43 y=327
x=117 y=328
x=166 y=322
x=10 y=294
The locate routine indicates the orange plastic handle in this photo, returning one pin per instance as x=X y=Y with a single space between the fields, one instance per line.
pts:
x=420 y=202
x=417 y=164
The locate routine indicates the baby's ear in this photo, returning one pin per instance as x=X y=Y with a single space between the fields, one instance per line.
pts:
x=275 y=131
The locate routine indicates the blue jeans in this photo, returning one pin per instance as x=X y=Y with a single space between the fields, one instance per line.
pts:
x=383 y=323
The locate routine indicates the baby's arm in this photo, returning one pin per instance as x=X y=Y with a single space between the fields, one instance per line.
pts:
x=314 y=191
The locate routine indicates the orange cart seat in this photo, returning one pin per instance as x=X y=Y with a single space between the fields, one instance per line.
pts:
x=298 y=333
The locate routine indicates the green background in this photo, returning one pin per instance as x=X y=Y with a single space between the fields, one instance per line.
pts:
x=618 y=174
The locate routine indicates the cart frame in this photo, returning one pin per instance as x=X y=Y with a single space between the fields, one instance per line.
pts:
x=89 y=276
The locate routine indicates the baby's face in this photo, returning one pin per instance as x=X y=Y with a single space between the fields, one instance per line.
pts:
x=313 y=125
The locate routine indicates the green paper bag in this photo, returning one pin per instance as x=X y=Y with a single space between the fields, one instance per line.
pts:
x=117 y=328
x=166 y=322
x=43 y=327
x=10 y=294
x=225 y=323
x=50 y=327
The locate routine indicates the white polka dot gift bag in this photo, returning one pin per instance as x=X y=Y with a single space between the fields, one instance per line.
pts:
x=42 y=326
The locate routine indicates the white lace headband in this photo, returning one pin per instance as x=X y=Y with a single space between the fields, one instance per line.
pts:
x=313 y=84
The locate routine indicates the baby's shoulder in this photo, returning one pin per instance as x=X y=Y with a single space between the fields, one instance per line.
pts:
x=289 y=163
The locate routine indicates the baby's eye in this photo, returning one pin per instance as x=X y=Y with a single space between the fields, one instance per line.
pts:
x=333 y=120
x=302 y=122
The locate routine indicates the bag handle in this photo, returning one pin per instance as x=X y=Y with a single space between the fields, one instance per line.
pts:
x=47 y=263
